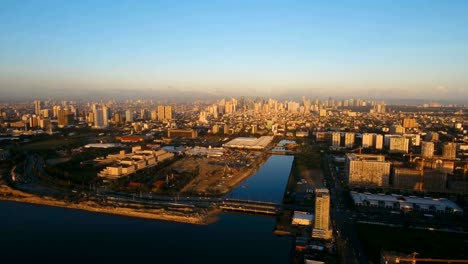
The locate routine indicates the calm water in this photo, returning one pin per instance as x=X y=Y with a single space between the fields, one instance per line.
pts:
x=269 y=183
x=33 y=234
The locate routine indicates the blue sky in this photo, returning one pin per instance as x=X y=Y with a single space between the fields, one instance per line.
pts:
x=418 y=49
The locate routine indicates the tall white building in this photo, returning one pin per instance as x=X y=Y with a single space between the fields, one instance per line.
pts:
x=322 y=214
x=101 y=116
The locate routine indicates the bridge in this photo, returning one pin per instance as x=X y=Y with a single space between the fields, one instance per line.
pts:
x=227 y=204
x=247 y=206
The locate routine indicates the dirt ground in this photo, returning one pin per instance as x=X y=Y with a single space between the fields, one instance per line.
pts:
x=213 y=177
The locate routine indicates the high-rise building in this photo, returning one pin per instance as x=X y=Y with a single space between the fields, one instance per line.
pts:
x=379 y=140
x=202 y=117
x=154 y=115
x=399 y=144
x=349 y=139
x=409 y=123
x=129 y=116
x=167 y=112
x=336 y=139
x=449 y=150
x=161 y=112
x=367 y=170
x=101 y=116
x=322 y=214
x=65 y=117
x=164 y=112
x=414 y=139
x=37 y=107
x=45 y=113
x=427 y=149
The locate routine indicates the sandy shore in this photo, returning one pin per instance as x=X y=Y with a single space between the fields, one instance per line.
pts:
x=9 y=194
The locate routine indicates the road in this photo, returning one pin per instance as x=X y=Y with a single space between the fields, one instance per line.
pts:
x=342 y=220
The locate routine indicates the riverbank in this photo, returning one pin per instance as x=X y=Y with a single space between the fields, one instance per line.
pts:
x=111 y=207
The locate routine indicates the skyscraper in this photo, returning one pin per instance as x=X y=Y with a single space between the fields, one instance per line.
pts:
x=167 y=112
x=101 y=116
x=128 y=116
x=322 y=214
x=37 y=107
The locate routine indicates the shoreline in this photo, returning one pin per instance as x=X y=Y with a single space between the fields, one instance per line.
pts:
x=12 y=195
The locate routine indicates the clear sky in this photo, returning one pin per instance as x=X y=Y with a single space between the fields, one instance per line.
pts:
x=396 y=49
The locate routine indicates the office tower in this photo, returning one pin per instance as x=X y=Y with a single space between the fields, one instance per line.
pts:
x=349 y=139
x=167 y=112
x=427 y=149
x=161 y=112
x=367 y=170
x=37 y=107
x=64 y=116
x=33 y=121
x=322 y=214
x=128 y=116
x=336 y=139
x=101 y=116
x=449 y=151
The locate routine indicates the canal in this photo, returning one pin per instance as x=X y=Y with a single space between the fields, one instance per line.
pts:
x=33 y=233
x=268 y=183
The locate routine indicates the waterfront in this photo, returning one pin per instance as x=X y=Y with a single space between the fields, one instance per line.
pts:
x=42 y=233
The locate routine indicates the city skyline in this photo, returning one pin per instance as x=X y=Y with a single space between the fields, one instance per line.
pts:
x=398 y=50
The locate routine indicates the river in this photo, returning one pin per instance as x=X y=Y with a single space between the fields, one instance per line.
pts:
x=268 y=183
x=37 y=234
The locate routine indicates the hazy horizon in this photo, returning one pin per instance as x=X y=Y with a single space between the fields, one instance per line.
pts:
x=374 y=50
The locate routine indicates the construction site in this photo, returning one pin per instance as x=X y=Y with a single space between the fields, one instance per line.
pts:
x=217 y=175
